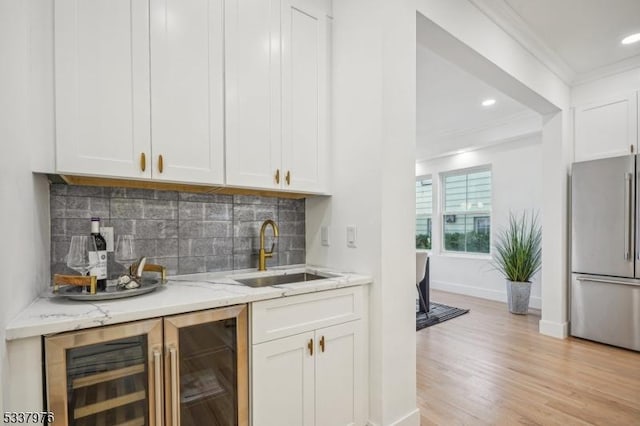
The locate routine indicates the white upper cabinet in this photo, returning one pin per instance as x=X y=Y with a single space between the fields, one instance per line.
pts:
x=202 y=91
x=187 y=90
x=305 y=36
x=253 y=92
x=140 y=89
x=276 y=99
x=102 y=87
x=606 y=128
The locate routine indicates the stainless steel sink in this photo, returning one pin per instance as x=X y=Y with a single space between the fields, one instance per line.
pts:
x=279 y=279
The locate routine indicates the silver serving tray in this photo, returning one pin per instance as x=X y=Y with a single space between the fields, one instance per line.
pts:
x=111 y=292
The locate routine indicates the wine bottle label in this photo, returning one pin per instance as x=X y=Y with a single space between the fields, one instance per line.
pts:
x=100 y=258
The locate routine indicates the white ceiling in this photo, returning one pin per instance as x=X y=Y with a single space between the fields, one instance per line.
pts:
x=449 y=110
x=582 y=37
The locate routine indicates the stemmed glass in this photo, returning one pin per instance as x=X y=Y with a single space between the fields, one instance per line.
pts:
x=125 y=251
x=82 y=254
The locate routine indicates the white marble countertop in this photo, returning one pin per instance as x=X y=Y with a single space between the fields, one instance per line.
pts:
x=51 y=313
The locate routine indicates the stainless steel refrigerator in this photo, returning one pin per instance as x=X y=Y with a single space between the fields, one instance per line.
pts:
x=605 y=284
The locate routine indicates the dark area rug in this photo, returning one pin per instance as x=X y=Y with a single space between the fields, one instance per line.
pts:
x=438 y=313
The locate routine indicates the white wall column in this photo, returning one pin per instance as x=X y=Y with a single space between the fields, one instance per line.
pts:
x=374 y=49
x=556 y=154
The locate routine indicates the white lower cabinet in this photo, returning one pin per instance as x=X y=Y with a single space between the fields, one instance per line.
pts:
x=316 y=377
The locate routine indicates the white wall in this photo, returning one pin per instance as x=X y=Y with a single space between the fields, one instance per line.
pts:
x=24 y=198
x=516 y=173
x=374 y=47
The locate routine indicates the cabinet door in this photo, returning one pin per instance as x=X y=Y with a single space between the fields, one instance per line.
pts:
x=102 y=87
x=206 y=367
x=607 y=128
x=305 y=35
x=283 y=382
x=252 y=35
x=109 y=375
x=340 y=369
x=187 y=93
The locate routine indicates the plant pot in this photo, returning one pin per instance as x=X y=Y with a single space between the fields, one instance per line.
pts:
x=518 y=294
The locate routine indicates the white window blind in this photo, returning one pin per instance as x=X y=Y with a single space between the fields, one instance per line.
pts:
x=466 y=213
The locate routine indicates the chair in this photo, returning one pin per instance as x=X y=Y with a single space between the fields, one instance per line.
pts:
x=422 y=282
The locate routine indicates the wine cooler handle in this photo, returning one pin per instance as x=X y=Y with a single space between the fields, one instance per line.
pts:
x=173 y=355
x=628 y=204
x=158 y=386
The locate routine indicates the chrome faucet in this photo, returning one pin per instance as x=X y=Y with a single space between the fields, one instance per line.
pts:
x=262 y=260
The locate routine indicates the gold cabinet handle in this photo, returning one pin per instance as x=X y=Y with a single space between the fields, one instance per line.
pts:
x=310 y=346
x=175 y=406
x=322 y=343
x=160 y=163
x=277 y=175
x=143 y=162
x=158 y=387
x=288 y=177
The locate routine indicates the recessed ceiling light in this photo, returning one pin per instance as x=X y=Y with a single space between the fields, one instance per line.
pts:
x=633 y=38
x=488 y=102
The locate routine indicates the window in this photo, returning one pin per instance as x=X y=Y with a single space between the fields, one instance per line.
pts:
x=424 y=208
x=466 y=224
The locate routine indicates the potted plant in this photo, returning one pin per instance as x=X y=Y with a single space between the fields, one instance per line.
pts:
x=518 y=256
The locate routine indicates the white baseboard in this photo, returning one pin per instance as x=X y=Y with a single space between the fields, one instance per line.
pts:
x=558 y=330
x=483 y=293
x=411 y=419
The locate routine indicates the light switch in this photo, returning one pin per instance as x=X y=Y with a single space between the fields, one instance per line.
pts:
x=352 y=235
x=324 y=235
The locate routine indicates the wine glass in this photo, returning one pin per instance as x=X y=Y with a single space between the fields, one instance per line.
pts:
x=82 y=254
x=125 y=251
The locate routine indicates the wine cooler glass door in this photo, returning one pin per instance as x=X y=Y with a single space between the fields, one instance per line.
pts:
x=106 y=377
x=206 y=368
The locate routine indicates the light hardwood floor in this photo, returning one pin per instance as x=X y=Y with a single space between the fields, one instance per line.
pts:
x=492 y=367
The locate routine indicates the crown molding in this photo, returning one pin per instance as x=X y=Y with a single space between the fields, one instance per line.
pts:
x=525 y=137
x=450 y=134
x=508 y=19
x=496 y=132
x=608 y=70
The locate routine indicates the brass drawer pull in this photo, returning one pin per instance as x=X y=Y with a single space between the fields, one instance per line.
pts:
x=322 y=343
x=288 y=177
x=277 y=175
x=143 y=162
x=160 y=163
x=310 y=346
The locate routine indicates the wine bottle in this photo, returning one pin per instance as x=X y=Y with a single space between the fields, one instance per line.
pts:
x=100 y=270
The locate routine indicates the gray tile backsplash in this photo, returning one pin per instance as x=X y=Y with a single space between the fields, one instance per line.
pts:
x=186 y=232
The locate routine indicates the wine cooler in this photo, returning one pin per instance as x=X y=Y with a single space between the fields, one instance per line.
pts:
x=188 y=369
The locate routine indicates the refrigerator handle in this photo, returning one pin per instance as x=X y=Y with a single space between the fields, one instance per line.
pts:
x=628 y=196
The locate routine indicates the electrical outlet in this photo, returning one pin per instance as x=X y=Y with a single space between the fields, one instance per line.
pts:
x=107 y=234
